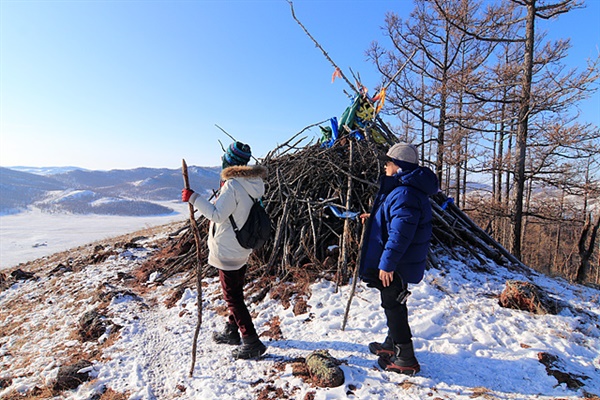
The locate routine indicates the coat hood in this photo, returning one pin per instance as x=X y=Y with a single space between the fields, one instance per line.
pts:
x=421 y=178
x=246 y=171
x=251 y=178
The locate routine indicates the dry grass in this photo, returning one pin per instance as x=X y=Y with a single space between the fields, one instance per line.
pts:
x=481 y=392
x=47 y=393
x=35 y=394
x=407 y=385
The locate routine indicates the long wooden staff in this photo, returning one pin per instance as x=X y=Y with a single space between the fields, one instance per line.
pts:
x=321 y=48
x=355 y=277
x=343 y=258
x=196 y=232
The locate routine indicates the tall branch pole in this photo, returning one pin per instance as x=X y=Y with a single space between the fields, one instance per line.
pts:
x=355 y=276
x=232 y=138
x=400 y=70
x=343 y=261
x=318 y=45
x=321 y=48
x=196 y=232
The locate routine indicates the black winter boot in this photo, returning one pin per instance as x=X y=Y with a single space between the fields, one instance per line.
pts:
x=385 y=349
x=251 y=347
x=230 y=335
x=403 y=361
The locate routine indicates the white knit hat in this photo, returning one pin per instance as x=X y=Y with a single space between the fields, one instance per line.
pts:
x=403 y=152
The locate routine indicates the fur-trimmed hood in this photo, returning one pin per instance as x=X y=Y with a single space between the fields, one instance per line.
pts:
x=251 y=178
x=246 y=171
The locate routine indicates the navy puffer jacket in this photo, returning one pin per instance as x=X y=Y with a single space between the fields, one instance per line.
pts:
x=399 y=229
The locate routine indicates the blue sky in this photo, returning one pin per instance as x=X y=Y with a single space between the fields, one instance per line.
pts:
x=125 y=84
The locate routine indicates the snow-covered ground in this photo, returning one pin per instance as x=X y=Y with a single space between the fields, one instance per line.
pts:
x=33 y=234
x=468 y=346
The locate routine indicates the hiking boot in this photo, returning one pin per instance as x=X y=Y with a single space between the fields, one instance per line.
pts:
x=385 y=349
x=229 y=336
x=251 y=347
x=402 y=362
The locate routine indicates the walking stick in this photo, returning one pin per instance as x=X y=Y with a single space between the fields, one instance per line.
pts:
x=195 y=231
x=355 y=276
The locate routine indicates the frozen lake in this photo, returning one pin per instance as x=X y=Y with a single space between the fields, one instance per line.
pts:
x=33 y=234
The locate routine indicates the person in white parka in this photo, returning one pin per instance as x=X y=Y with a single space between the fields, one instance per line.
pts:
x=240 y=183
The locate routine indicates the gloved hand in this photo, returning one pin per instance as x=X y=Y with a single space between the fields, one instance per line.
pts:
x=186 y=194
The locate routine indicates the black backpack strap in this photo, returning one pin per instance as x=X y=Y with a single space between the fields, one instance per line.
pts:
x=235 y=228
x=233 y=224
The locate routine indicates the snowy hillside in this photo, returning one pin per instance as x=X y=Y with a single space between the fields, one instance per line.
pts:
x=468 y=346
x=46 y=171
x=134 y=192
x=89 y=202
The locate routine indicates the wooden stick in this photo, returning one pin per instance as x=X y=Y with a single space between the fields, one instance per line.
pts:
x=225 y=132
x=343 y=261
x=355 y=276
x=196 y=232
x=232 y=138
x=400 y=70
x=321 y=48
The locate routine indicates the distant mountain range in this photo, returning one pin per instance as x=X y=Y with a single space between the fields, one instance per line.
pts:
x=117 y=192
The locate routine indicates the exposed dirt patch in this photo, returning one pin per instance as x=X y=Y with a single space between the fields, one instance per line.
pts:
x=553 y=368
x=36 y=393
x=272 y=392
x=301 y=306
x=110 y=394
x=300 y=369
x=175 y=296
x=482 y=392
x=274 y=331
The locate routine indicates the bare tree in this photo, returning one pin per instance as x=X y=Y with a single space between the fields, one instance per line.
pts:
x=554 y=89
x=429 y=90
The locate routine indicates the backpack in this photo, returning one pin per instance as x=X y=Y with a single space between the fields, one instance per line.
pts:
x=257 y=229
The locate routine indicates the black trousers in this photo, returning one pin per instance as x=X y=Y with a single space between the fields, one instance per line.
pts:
x=232 y=284
x=396 y=312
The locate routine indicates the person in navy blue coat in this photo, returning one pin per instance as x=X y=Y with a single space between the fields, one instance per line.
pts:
x=395 y=249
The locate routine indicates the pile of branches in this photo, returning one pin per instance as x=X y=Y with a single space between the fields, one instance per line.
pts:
x=308 y=190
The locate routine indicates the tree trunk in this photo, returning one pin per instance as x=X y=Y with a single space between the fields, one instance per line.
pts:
x=443 y=104
x=523 y=122
x=464 y=175
x=555 y=263
x=583 y=272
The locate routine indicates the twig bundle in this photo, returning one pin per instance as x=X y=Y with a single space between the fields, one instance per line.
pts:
x=302 y=187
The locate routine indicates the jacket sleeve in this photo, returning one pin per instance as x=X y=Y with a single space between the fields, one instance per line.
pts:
x=403 y=219
x=220 y=211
